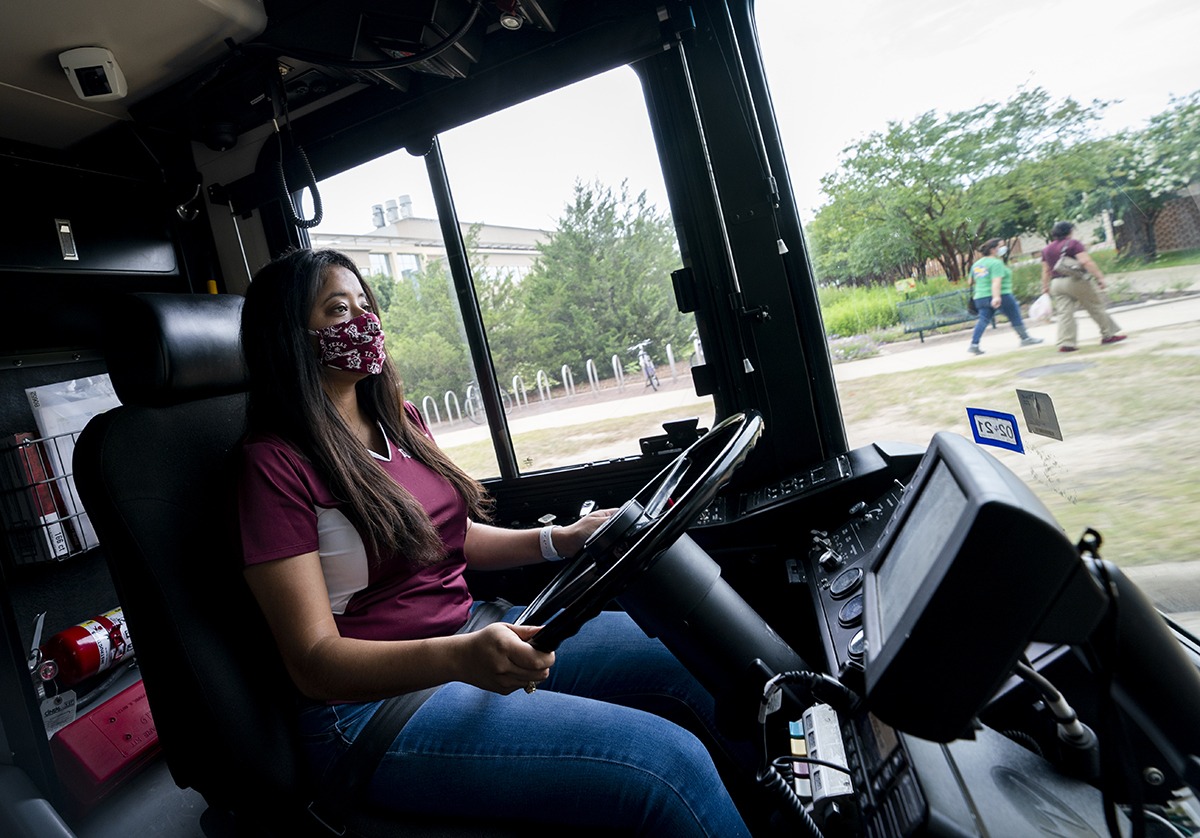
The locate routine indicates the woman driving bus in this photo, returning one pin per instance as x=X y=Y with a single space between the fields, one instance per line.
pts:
x=356 y=532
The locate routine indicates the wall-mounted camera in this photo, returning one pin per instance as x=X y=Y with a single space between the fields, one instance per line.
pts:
x=93 y=73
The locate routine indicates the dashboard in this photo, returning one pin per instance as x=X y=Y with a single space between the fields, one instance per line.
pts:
x=918 y=578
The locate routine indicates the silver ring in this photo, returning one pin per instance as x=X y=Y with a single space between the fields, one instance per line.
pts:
x=531 y=687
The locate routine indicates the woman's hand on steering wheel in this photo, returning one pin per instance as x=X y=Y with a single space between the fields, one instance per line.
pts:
x=625 y=542
x=498 y=658
x=569 y=539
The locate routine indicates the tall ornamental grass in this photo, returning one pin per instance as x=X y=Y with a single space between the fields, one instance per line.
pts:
x=854 y=310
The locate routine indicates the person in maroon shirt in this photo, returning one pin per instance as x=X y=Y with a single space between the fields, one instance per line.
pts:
x=372 y=595
x=356 y=529
x=1072 y=292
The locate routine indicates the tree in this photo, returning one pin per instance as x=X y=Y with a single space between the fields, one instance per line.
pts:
x=424 y=333
x=500 y=303
x=423 y=322
x=941 y=185
x=1036 y=193
x=1140 y=172
x=601 y=282
x=384 y=287
x=847 y=250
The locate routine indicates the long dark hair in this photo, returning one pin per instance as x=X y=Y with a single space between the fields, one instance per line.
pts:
x=286 y=399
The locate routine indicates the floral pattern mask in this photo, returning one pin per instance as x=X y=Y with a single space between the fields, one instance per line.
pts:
x=354 y=345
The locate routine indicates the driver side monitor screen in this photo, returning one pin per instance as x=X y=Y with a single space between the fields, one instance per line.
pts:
x=937 y=508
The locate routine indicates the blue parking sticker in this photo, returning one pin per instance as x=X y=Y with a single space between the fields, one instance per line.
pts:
x=994 y=428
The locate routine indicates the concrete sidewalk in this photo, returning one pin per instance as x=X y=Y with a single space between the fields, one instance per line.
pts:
x=1158 y=280
x=585 y=407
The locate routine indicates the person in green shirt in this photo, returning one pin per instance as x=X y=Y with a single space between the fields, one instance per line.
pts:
x=993 y=292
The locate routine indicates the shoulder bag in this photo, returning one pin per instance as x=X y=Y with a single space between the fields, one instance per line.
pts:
x=1070 y=266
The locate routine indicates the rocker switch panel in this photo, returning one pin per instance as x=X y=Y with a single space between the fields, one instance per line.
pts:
x=66 y=239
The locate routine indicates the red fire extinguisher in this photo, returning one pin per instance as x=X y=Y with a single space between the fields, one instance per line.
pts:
x=88 y=648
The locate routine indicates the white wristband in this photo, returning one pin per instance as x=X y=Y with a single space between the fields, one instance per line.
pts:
x=547 y=543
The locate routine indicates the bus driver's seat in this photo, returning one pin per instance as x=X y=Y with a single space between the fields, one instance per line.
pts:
x=155 y=477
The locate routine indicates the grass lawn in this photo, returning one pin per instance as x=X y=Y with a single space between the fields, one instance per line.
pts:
x=1129 y=464
x=552 y=447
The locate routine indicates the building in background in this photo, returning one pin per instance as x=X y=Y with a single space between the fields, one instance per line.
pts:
x=403 y=244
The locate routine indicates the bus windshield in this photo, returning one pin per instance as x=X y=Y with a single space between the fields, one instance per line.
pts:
x=900 y=183
x=944 y=129
x=570 y=257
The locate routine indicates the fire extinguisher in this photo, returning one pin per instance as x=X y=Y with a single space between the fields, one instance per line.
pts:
x=86 y=649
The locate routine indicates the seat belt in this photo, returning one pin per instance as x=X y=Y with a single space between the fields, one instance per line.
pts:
x=346 y=782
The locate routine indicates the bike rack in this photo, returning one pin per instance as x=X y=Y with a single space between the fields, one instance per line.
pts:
x=593 y=378
x=618 y=372
x=429 y=407
x=450 y=394
x=520 y=393
x=471 y=388
x=520 y=397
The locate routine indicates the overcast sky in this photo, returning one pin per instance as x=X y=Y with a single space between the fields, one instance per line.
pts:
x=838 y=71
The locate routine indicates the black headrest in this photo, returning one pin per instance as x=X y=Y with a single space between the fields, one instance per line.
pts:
x=165 y=349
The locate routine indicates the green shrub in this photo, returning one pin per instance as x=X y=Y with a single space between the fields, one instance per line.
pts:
x=860 y=310
x=936 y=285
x=1027 y=281
x=855 y=310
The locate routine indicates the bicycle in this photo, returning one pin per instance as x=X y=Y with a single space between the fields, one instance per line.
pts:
x=646 y=363
x=473 y=403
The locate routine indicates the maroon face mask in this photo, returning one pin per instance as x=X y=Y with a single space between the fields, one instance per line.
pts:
x=354 y=345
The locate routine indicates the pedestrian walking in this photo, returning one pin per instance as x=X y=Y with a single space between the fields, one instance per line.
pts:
x=1073 y=280
x=993 y=292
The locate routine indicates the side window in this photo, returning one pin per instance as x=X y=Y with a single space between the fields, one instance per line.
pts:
x=571 y=247
x=947 y=132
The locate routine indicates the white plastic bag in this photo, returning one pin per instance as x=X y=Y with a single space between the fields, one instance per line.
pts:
x=61 y=410
x=1042 y=310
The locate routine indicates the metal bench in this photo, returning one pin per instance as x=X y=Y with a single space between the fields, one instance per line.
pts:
x=928 y=313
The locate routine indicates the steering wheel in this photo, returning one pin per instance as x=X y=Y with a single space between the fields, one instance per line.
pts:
x=629 y=542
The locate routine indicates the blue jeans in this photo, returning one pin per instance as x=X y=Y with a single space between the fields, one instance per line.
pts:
x=571 y=753
x=1010 y=308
